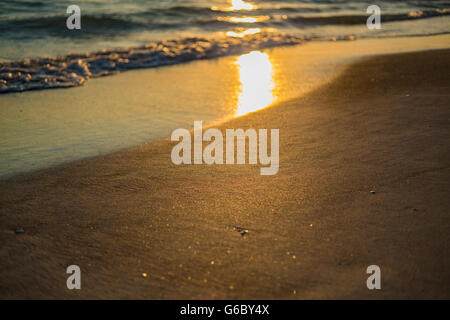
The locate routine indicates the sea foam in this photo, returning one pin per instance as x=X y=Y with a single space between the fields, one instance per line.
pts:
x=75 y=69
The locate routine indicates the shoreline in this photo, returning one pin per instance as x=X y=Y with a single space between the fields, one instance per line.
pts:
x=133 y=212
x=80 y=118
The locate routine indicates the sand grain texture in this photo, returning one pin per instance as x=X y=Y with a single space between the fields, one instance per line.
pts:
x=383 y=125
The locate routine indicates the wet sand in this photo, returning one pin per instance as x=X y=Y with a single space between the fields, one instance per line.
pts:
x=382 y=125
x=42 y=129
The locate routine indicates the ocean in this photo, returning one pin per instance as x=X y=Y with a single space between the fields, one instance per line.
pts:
x=37 y=51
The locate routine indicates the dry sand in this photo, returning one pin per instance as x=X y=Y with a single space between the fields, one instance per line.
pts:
x=383 y=125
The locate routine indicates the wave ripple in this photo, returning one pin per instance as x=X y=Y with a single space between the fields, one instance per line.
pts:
x=75 y=69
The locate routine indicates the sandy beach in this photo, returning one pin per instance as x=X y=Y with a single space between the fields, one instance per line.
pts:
x=364 y=179
x=45 y=128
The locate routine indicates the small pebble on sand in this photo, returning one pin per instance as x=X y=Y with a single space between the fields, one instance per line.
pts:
x=242 y=231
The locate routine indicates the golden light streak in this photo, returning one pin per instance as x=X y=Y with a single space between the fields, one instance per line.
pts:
x=240 y=5
x=244 y=19
x=257 y=84
x=243 y=33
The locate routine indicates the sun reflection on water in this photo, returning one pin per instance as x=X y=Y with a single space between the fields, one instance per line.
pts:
x=257 y=84
x=243 y=33
x=236 y=5
x=244 y=19
x=240 y=5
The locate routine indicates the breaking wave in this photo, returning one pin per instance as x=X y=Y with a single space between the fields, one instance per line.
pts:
x=75 y=69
